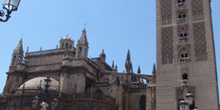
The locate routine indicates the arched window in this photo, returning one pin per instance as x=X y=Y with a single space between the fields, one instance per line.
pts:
x=182 y=17
x=183 y=37
x=143 y=102
x=184 y=55
x=185 y=81
x=62 y=45
x=67 y=45
x=184 y=76
x=183 y=34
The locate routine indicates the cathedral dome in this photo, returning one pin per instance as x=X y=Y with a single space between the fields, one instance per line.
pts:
x=39 y=82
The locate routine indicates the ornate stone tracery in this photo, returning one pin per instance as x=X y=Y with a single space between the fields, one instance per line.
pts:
x=200 y=41
x=197 y=9
x=166 y=11
x=167 y=45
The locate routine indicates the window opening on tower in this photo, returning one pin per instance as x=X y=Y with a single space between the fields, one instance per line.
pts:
x=185 y=81
x=182 y=17
x=184 y=55
x=180 y=3
x=183 y=37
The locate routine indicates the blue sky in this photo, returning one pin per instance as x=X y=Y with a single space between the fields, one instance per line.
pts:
x=112 y=25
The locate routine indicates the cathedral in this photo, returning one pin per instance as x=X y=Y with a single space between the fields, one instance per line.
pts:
x=65 y=78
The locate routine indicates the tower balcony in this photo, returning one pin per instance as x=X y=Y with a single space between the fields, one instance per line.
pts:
x=181 y=20
x=182 y=4
x=184 y=82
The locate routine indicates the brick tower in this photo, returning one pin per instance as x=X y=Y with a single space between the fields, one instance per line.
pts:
x=185 y=55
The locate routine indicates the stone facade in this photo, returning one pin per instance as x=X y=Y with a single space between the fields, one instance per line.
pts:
x=185 y=54
x=78 y=82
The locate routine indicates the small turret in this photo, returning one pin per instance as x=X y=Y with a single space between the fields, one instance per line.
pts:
x=66 y=42
x=102 y=56
x=128 y=64
x=83 y=38
x=18 y=54
x=154 y=74
x=82 y=46
x=139 y=70
x=113 y=65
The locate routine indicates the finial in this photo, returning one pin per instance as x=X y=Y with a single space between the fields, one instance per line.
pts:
x=41 y=48
x=154 y=69
x=102 y=50
x=57 y=46
x=84 y=25
x=128 y=55
x=139 y=70
x=21 y=37
x=84 y=30
x=116 y=68
x=113 y=65
x=20 y=41
x=27 y=49
x=128 y=64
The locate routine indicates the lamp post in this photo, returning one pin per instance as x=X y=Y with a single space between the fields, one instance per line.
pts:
x=9 y=5
x=44 y=97
x=47 y=82
x=189 y=102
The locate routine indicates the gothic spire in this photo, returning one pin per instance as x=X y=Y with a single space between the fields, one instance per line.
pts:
x=139 y=70
x=128 y=64
x=113 y=64
x=154 y=74
x=128 y=55
x=19 y=48
x=83 y=38
x=154 y=70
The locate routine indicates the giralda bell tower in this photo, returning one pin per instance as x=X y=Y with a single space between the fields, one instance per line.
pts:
x=186 y=61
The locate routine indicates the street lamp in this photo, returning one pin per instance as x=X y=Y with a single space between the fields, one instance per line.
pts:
x=9 y=5
x=45 y=97
x=44 y=105
x=35 y=102
x=190 y=102
x=182 y=104
x=47 y=82
x=189 y=97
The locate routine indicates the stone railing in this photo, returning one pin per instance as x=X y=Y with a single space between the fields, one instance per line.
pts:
x=42 y=52
x=90 y=96
x=47 y=51
x=35 y=91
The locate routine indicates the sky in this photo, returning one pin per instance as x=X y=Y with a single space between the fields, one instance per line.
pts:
x=112 y=25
